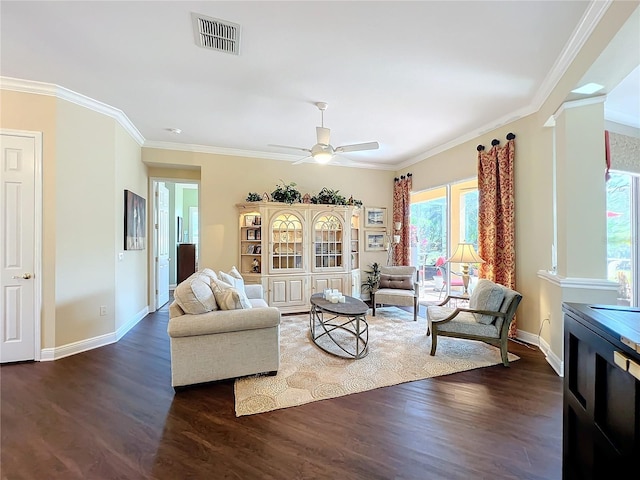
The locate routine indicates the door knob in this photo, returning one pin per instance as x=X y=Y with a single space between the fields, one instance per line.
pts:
x=26 y=276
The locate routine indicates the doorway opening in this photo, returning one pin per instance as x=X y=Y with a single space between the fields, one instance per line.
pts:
x=175 y=236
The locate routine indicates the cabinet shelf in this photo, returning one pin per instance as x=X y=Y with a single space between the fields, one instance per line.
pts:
x=304 y=248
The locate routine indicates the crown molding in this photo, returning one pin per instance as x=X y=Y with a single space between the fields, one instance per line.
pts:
x=594 y=13
x=488 y=127
x=52 y=90
x=49 y=89
x=583 y=102
x=592 y=16
x=235 y=152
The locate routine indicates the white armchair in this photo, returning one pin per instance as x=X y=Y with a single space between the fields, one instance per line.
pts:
x=398 y=286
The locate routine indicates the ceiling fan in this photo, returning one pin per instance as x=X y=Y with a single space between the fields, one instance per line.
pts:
x=322 y=152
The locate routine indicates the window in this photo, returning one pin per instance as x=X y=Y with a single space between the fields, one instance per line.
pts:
x=440 y=219
x=623 y=195
x=429 y=226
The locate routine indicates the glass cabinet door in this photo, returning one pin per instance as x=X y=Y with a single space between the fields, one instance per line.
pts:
x=287 y=243
x=355 y=241
x=328 y=243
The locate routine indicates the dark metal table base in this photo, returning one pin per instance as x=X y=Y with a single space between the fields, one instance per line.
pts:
x=330 y=327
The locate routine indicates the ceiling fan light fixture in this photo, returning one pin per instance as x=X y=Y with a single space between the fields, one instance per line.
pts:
x=323 y=156
x=322 y=152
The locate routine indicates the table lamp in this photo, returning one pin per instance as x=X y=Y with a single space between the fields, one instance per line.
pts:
x=390 y=246
x=464 y=255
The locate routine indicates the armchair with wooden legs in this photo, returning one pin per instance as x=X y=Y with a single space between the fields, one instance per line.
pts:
x=487 y=318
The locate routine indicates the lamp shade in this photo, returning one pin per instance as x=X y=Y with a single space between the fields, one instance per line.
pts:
x=465 y=253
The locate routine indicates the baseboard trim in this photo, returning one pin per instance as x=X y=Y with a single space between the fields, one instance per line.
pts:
x=124 y=329
x=48 y=354
x=552 y=359
x=56 y=353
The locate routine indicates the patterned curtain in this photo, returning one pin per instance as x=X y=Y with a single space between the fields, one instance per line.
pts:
x=496 y=214
x=401 y=208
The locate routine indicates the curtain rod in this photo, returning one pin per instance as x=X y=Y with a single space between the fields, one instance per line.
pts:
x=495 y=141
x=402 y=177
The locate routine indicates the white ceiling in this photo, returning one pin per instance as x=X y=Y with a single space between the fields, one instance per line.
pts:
x=414 y=76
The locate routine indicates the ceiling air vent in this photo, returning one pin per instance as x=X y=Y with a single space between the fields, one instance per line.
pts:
x=216 y=34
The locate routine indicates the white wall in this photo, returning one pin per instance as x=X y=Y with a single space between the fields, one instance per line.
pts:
x=88 y=161
x=85 y=219
x=131 y=279
x=226 y=181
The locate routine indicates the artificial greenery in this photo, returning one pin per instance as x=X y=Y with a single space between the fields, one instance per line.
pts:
x=373 y=279
x=354 y=202
x=326 y=196
x=329 y=197
x=286 y=193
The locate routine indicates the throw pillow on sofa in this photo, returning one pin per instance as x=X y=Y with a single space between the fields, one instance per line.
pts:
x=235 y=273
x=209 y=273
x=228 y=297
x=194 y=295
x=234 y=279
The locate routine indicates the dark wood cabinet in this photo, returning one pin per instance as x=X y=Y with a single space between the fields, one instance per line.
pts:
x=185 y=261
x=601 y=431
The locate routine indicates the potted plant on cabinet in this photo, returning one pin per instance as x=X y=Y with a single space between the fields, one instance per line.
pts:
x=286 y=193
x=370 y=285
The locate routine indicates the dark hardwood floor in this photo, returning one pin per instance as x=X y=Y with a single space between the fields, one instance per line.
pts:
x=111 y=413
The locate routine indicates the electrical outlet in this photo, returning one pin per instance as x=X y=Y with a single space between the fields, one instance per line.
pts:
x=103 y=310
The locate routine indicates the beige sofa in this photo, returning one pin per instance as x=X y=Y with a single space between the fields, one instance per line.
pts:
x=224 y=344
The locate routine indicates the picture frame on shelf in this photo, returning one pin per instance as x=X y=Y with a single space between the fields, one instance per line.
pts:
x=249 y=220
x=375 y=217
x=374 y=241
x=250 y=249
x=258 y=235
x=251 y=234
x=257 y=221
x=257 y=250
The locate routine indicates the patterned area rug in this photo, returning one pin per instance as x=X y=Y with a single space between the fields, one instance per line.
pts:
x=398 y=353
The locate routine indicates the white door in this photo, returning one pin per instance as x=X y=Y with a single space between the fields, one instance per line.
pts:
x=194 y=229
x=162 y=253
x=17 y=232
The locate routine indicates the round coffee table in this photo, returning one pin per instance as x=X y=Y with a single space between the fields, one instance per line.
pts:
x=340 y=329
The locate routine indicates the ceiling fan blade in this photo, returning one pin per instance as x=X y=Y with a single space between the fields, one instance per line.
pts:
x=292 y=148
x=342 y=161
x=323 y=135
x=358 y=147
x=302 y=160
